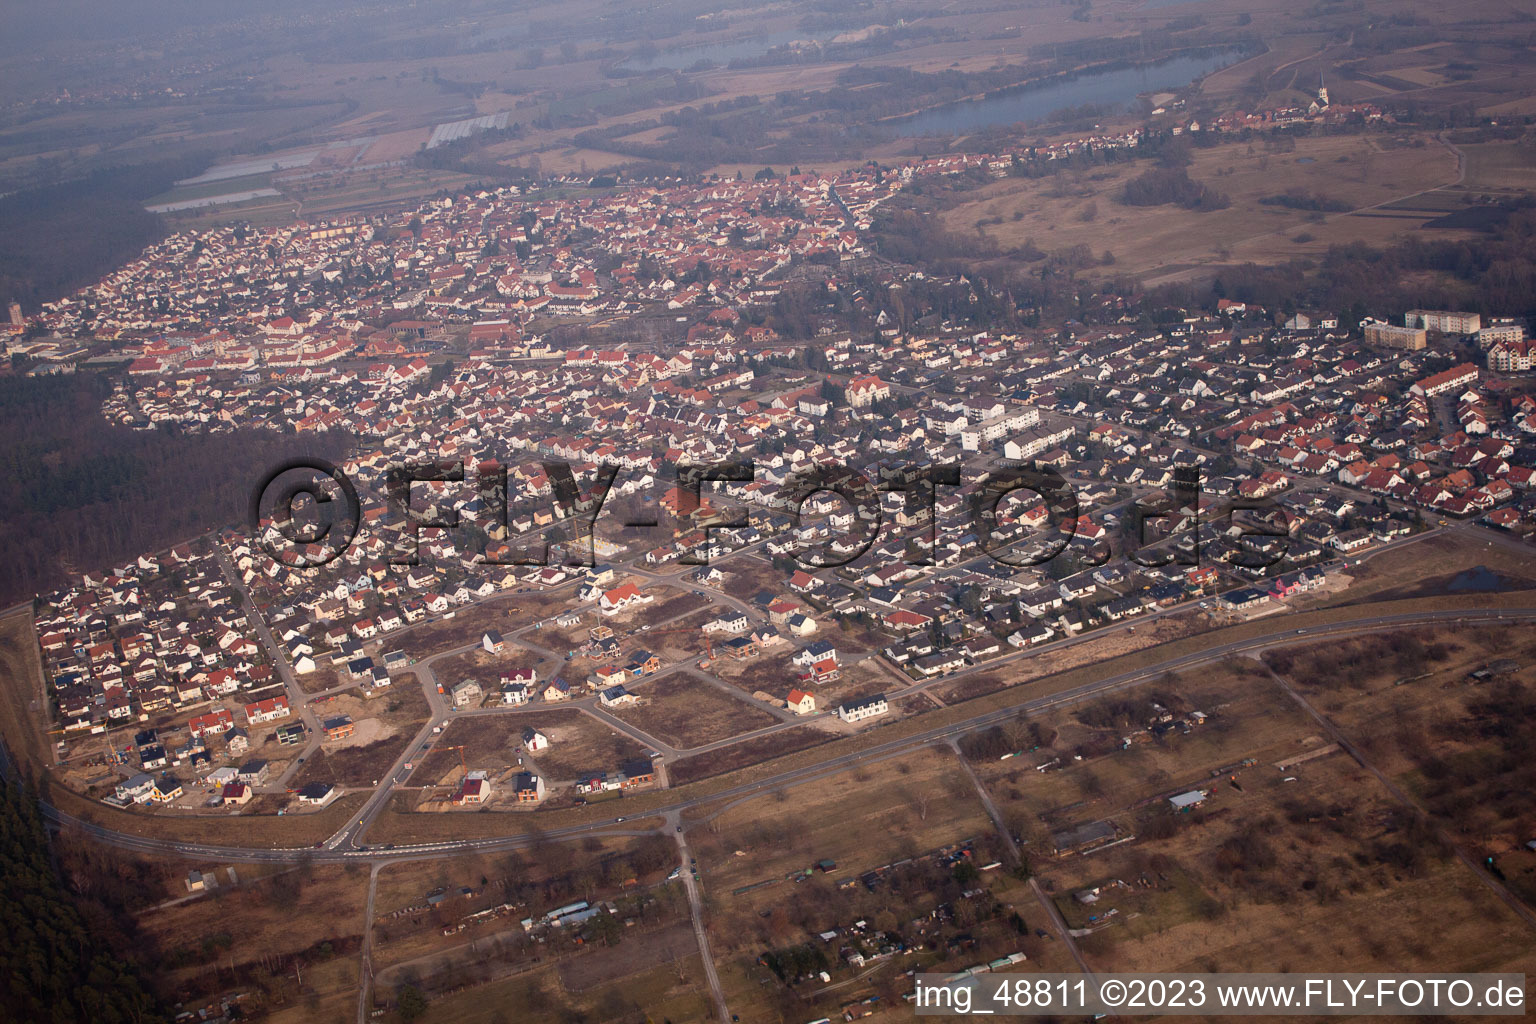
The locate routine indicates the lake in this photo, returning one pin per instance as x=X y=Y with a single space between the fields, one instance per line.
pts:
x=1115 y=88
x=1480 y=579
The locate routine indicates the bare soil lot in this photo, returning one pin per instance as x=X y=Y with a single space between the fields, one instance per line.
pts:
x=324 y=677
x=485 y=667
x=667 y=605
x=501 y=612
x=687 y=712
x=578 y=743
x=747 y=753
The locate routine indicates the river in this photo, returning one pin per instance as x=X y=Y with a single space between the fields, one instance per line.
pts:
x=1116 y=87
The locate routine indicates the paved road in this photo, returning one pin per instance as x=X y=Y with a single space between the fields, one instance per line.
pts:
x=298 y=700
x=1281 y=634
x=350 y=836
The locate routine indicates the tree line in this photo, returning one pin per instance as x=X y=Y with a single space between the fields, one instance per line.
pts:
x=1494 y=275
x=58 y=238
x=56 y=970
x=82 y=493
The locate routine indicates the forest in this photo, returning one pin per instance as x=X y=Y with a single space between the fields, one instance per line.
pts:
x=56 y=968
x=84 y=494
x=1163 y=185
x=61 y=237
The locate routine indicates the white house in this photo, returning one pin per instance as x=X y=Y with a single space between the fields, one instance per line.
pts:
x=862 y=707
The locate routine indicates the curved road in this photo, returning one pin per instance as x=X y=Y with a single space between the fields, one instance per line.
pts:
x=893 y=748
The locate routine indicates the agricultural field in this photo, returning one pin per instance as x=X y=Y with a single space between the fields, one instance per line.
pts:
x=1500 y=165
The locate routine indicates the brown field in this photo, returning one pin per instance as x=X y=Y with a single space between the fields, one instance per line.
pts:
x=359 y=766
x=484 y=666
x=1248 y=718
x=684 y=711
x=1299 y=897
x=1500 y=165
x=1317 y=860
x=395 y=145
x=1427 y=566
x=22 y=711
x=254 y=929
x=1162 y=242
x=503 y=612
x=385 y=724
x=658 y=611
x=682 y=640
x=862 y=818
x=490 y=742
x=1452 y=744
x=676 y=992
x=773 y=672
x=325 y=677
x=578 y=742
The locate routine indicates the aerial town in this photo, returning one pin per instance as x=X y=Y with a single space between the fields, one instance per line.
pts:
x=213 y=678
x=622 y=593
